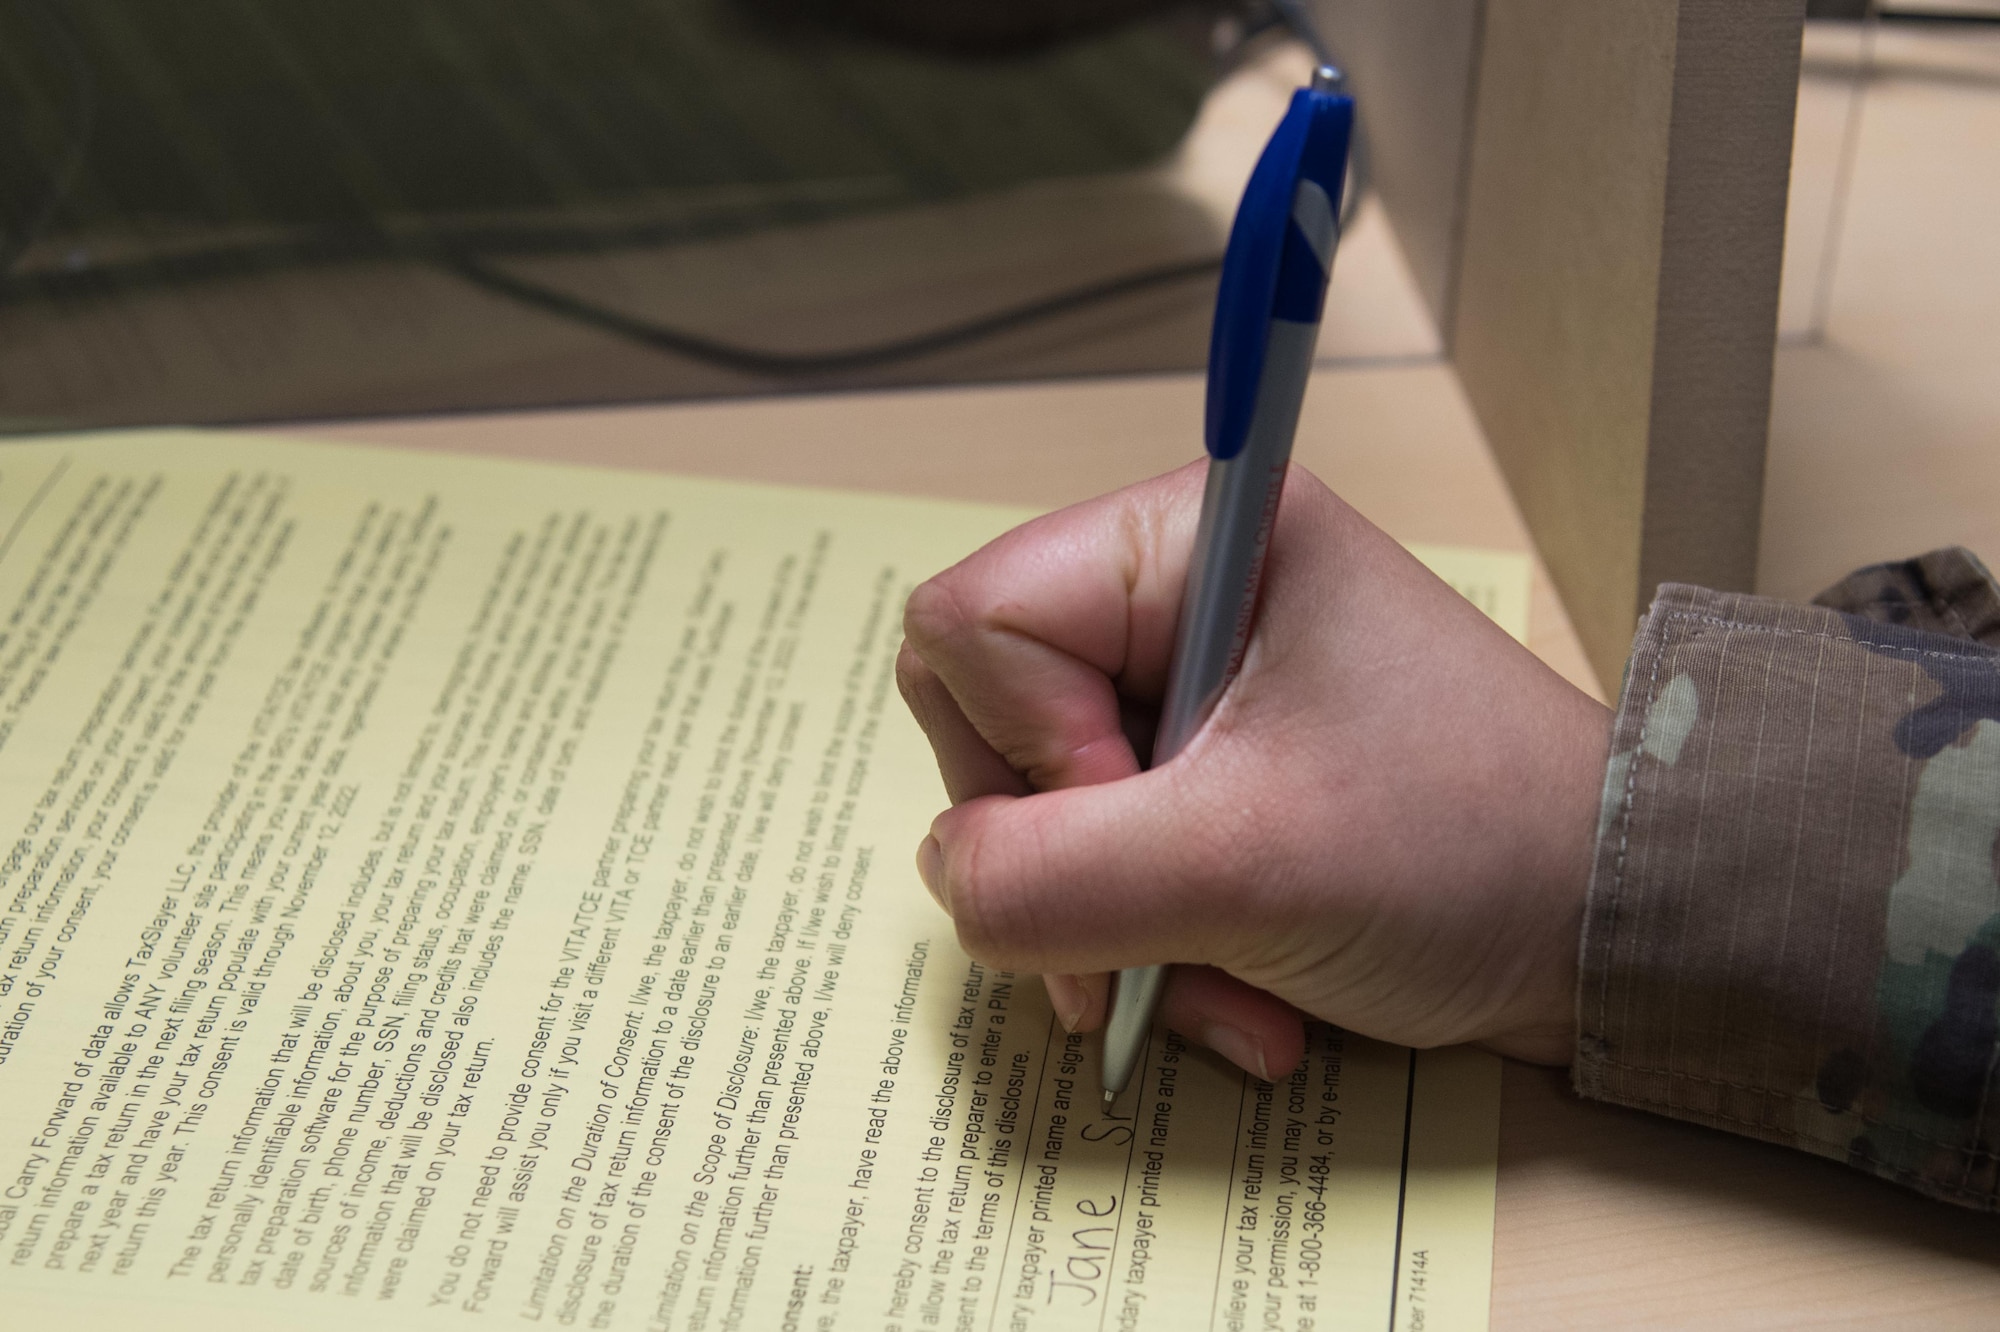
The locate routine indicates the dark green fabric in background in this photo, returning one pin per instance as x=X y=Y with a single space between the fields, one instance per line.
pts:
x=345 y=128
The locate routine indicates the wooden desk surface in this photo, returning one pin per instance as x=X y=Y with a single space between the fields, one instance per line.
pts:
x=1606 y=1217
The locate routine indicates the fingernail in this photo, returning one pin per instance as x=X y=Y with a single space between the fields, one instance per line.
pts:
x=930 y=868
x=1238 y=1048
x=1067 y=995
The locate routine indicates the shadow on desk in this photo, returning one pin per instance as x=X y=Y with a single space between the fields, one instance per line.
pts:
x=1612 y=1217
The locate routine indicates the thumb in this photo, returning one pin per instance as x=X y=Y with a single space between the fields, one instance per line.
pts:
x=1098 y=878
x=1086 y=879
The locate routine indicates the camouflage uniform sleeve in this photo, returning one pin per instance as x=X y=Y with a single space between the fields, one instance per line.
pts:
x=1793 y=929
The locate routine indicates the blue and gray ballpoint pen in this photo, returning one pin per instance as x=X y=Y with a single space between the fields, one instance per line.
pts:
x=1260 y=354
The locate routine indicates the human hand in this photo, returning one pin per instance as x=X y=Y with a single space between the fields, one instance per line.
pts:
x=1387 y=823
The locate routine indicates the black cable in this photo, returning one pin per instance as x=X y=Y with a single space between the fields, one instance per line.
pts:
x=468 y=254
x=1293 y=15
x=473 y=264
x=756 y=361
x=1942 y=17
x=324 y=246
x=750 y=360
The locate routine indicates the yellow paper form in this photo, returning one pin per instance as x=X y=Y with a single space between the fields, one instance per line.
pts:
x=1496 y=581
x=441 y=893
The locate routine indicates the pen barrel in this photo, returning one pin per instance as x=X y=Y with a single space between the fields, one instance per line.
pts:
x=1238 y=510
x=1240 y=506
x=1129 y=1023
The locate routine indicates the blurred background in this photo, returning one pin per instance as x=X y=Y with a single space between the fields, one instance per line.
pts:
x=231 y=210
x=234 y=210
x=1885 y=411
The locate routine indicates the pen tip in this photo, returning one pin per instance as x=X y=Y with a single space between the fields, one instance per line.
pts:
x=1109 y=1097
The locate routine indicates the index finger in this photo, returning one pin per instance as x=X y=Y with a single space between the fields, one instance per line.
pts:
x=1037 y=634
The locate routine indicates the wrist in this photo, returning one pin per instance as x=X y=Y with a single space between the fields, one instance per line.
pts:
x=1539 y=1023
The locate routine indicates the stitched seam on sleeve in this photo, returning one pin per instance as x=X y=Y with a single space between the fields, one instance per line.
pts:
x=1689 y=1112
x=1624 y=844
x=1975 y=652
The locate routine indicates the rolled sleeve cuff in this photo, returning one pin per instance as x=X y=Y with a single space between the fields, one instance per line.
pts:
x=1793 y=915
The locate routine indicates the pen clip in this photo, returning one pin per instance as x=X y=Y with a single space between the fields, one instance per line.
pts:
x=1267 y=244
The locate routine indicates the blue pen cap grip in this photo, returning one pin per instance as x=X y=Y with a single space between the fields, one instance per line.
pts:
x=1272 y=269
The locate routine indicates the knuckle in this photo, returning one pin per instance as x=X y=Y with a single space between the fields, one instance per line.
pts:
x=935 y=613
x=914 y=679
